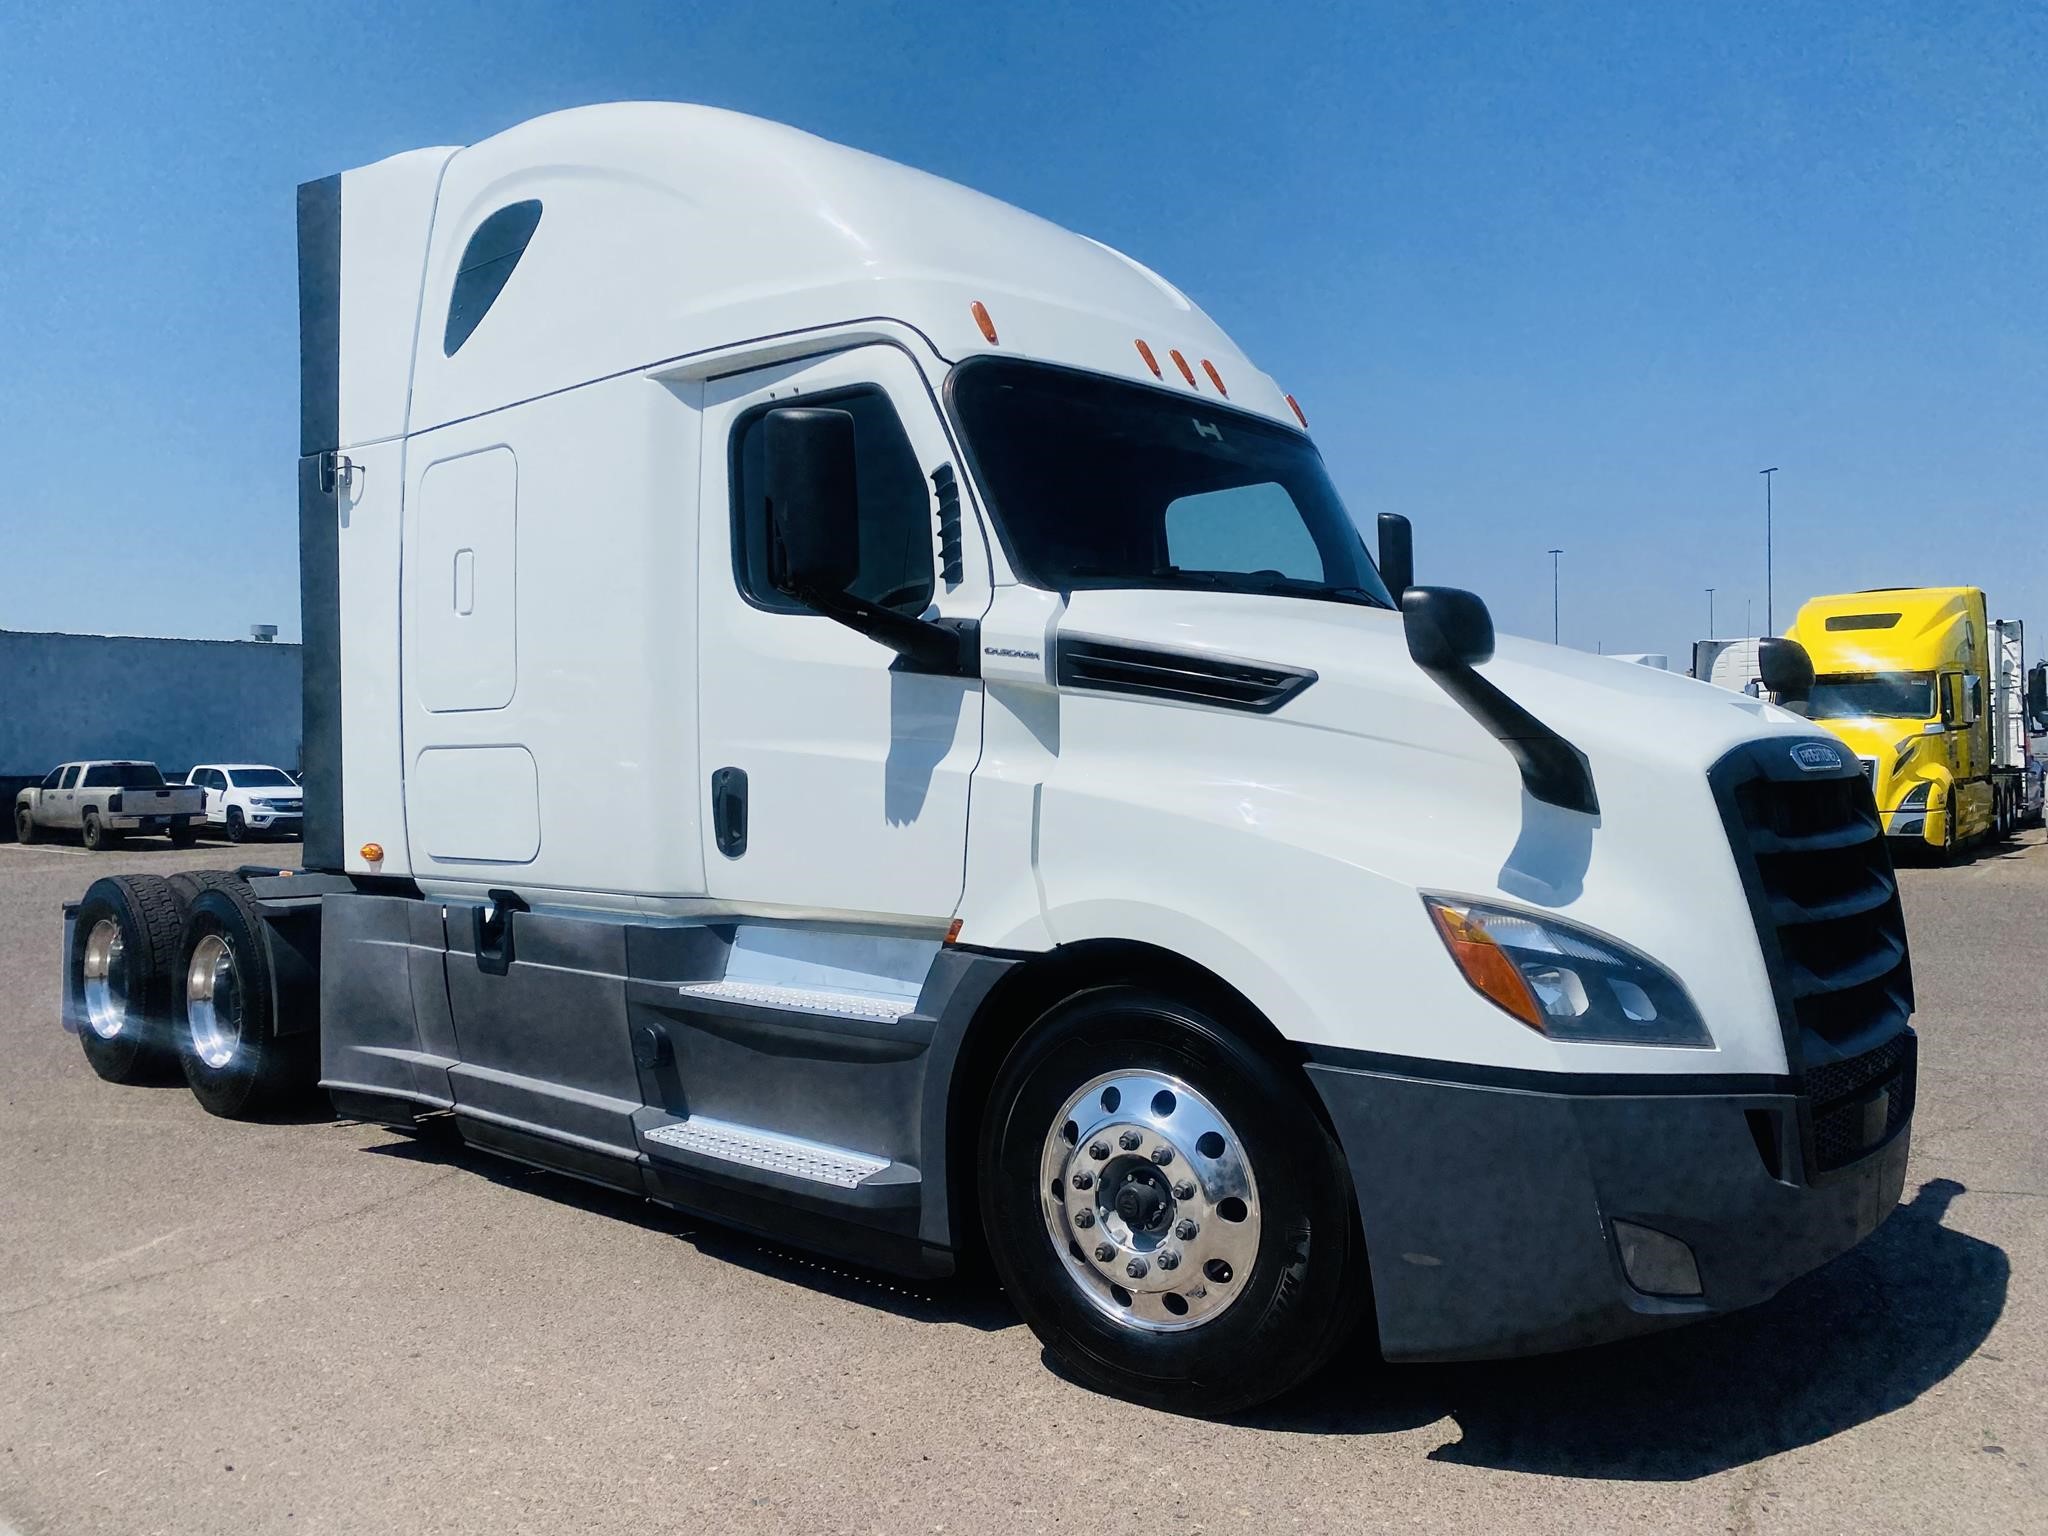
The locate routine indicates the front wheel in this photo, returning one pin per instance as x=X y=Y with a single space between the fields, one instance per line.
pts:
x=238 y=829
x=24 y=824
x=1165 y=1206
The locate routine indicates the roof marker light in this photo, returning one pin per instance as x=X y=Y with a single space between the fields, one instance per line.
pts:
x=1215 y=378
x=1182 y=364
x=1295 y=406
x=1150 y=361
x=988 y=326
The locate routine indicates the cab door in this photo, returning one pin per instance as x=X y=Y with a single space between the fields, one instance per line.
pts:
x=833 y=781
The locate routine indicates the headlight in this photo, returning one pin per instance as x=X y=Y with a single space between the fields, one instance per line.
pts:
x=1565 y=981
x=1916 y=797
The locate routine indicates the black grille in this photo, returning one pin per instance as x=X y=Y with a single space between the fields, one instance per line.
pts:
x=1859 y=1104
x=1187 y=676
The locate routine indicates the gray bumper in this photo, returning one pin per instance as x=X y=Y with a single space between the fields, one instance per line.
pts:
x=1487 y=1210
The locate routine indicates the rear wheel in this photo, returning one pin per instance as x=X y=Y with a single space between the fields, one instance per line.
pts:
x=182 y=834
x=97 y=835
x=1165 y=1206
x=124 y=948
x=227 y=1010
x=24 y=824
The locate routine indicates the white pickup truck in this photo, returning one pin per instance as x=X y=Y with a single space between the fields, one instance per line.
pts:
x=250 y=799
x=104 y=801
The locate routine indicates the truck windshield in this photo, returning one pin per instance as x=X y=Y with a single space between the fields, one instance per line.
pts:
x=261 y=778
x=1896 y=695
x=123 y=776
x=1096 y=483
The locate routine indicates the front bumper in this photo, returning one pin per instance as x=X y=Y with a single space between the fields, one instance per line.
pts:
x=1488 y=1211
x=275 y=821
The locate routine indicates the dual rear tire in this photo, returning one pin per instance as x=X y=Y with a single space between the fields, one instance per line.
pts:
x=175 y=975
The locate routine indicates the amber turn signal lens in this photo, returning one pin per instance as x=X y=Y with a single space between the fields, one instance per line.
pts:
x=1488 y=967
x=988 y=326
x=373 y=853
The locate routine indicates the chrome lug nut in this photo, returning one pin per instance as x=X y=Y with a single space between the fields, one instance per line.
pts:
x=1098 y=1150
x=1184 y=1190
x=1084 y=1218
x=1136 y=1269
x=1129 y=1141
x=1105 y=1251
x=1083 y=1179
x=1167 y=1258
x=1162 y=1155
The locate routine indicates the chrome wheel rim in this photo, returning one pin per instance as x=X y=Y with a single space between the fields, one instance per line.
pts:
x=213 y=1002
x=1149 y=1201
x=106 y=979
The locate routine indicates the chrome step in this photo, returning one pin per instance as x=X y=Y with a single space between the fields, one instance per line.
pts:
x=762 y=994
x=751 y=1148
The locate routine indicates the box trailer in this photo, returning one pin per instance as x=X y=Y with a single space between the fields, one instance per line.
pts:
x=840 y=706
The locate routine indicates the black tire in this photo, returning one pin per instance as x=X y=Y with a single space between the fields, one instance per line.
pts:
x=238 y=829
x=131 y=1043
x=97 y=835
x=25 y=830
x=188 y=883
x=262 y=1070
x=1305 y=1289
x=182 y=834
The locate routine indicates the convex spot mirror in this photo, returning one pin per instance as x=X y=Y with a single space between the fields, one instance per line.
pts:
x=813 y=500
x=1446 y=627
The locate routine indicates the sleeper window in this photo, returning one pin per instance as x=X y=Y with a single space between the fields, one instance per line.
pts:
x=486 y=266
x=897 y=538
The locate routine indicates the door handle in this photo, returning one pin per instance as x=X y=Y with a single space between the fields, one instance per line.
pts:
x=729 y=810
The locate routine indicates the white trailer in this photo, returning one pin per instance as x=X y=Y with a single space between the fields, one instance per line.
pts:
x=839 y=706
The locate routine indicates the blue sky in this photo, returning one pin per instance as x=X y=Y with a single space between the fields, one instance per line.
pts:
x=1543 y=275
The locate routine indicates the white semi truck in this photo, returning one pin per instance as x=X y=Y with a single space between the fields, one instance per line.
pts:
x=839 y=706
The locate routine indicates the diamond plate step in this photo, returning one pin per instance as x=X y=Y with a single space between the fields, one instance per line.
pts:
x=761 y=994
x=751 y=1148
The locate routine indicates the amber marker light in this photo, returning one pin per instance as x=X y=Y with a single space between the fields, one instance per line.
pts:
x=1150 y=361
x=988 y=327
x=953 y=931
x=1488 y=967
x=373 y=853
x=1295 y=406
x=1182 y=364
x=1215 y=378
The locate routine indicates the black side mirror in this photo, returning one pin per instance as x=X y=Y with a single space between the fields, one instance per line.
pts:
x=1449 y=633
x=1786 y=670
x=1446 y=628
x=1397 y=553
x=813 y=500
x=2037 y=695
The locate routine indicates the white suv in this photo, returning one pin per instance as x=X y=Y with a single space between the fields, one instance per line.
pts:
x=250 y=799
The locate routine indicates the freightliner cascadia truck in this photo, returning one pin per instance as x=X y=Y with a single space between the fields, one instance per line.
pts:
x=841 y=707
x=1930 y=694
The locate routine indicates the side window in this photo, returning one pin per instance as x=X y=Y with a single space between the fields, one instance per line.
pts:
x=71 y=775
x=55 y=775
x=214 y=778
x=1973 y=699
x=486 y=266
x=1950 y=713
x=898 y=541
x=1245 y=528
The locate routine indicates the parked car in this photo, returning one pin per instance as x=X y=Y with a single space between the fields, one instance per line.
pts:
x=103 y=801
x=250 y=799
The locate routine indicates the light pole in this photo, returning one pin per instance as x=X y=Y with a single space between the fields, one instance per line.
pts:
x=1770 y=588
x=1710 y=613
x=1745 y=618
x=1553 y=594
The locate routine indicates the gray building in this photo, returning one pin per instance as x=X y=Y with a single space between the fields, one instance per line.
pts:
x=175 y=702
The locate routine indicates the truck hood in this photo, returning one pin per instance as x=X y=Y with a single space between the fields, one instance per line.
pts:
x=1367 y=685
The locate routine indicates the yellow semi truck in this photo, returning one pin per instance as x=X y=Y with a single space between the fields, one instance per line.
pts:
x=1930 y=694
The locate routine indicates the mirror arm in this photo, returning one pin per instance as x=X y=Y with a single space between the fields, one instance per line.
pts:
x=1553 y=770
x=947 y=647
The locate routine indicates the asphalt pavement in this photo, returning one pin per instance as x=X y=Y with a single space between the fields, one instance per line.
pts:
x=321 y=1326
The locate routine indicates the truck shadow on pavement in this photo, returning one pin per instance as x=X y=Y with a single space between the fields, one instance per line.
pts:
x=1855 y=1340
